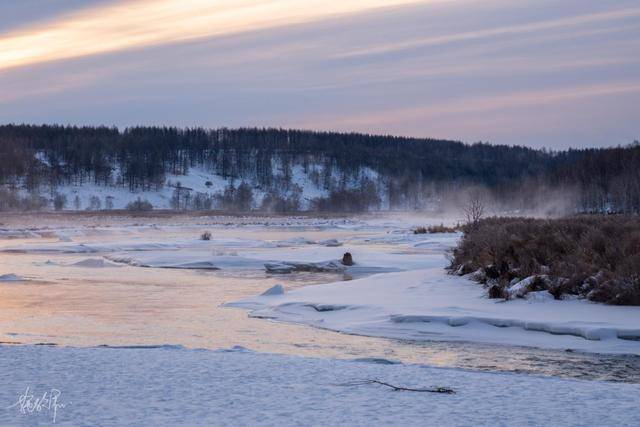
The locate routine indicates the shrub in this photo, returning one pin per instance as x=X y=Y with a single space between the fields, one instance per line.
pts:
x=596 y=257
x=140 y=205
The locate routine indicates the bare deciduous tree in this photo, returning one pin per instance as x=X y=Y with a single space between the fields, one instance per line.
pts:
x=474 y=209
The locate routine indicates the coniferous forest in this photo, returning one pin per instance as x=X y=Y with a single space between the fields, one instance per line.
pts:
x=356 y=171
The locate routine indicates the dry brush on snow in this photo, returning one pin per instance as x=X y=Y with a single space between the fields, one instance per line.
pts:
x=596 y=257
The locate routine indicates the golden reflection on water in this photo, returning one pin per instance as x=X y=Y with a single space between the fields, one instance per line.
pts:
x=144 y=306
x=121 y=306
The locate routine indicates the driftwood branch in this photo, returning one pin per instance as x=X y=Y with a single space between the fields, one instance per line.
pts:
x=441 y=390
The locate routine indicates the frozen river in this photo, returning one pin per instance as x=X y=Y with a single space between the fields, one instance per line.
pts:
x=143 y=282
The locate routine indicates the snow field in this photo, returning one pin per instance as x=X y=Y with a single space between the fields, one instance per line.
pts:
x=176 y=386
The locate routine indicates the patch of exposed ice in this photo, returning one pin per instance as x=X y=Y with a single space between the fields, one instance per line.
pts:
x=10 y=277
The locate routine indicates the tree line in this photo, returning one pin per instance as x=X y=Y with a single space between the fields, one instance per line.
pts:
x=358 y=171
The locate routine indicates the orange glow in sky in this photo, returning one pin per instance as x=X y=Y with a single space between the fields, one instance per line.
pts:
x=139 y=23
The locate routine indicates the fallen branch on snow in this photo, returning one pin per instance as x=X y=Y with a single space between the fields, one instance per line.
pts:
x=442 y=390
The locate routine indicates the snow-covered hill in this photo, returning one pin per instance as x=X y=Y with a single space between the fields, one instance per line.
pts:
x=305 y=183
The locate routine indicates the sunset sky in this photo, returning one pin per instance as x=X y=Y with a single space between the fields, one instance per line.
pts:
x=535 y=72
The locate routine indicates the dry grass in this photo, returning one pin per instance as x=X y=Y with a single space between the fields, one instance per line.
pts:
x=432 y=229
x=596 y=257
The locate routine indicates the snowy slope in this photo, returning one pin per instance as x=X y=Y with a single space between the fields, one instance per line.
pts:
x=195 y=180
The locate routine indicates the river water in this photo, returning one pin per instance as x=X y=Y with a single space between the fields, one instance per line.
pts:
x=63 y=304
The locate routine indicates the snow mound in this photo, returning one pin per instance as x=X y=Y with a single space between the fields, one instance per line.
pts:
x=274 y=290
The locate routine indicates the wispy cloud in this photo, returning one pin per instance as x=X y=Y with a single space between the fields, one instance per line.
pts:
x=494 y=32
x=139 y=23
x=484 y=104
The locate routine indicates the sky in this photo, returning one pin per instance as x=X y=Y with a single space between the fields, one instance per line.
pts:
x=542 y=73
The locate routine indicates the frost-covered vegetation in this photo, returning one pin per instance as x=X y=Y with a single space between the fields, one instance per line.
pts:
x=595 y=257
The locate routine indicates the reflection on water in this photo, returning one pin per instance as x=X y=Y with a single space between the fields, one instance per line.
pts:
x=123 y=306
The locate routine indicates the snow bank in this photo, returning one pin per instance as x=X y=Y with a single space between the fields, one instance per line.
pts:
x=431 y=305
x=116 y=386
